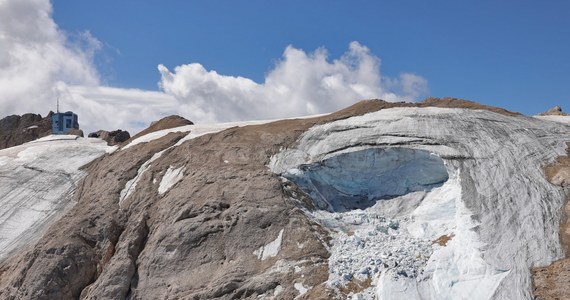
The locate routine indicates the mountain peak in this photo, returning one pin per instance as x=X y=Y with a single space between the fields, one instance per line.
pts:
x=380 y=200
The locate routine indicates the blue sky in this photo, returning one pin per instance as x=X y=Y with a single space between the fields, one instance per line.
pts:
x=514 y=54
x=123 y=64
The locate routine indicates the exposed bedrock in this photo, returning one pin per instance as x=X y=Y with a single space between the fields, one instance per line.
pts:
x=16 y=130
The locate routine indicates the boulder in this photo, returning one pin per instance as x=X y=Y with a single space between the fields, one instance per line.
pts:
x=112 y=138
x=555 y=111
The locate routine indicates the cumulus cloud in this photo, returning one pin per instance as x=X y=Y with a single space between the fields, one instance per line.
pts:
x=34 y=56
x=300 y=84
x=101 y=107
x=40 y=63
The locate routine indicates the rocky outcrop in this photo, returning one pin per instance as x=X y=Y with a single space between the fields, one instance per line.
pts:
x=16 y=130
x=164 y=123
x=555 y=111
x=112 y=138
x=208 y=219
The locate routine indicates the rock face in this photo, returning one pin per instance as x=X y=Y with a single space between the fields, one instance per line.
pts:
x=16 y=130
x=555 y=111
x=164 y=123
x=112 y=138
x=459 y=206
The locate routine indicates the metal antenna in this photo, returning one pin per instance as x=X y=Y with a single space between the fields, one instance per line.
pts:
x=57 y=108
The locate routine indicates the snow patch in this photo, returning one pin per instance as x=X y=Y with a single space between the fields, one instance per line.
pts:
x=56 y=137
x=170 y=178
x=271 y=249
x=194 y=131
x=156 y=135
x=131 y=185
x=301 y=289
x=278 y=290
x=112 y=149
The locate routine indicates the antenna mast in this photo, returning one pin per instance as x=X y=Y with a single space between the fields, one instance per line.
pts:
x=57 y=108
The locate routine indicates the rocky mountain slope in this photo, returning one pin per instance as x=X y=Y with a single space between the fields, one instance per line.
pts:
x=444 y=199
x=555 y=114
x=16 y=130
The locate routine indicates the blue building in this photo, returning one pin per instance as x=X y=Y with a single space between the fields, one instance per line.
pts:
x=61 y=123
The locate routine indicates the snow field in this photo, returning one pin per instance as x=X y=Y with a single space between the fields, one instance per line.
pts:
x=559 y=119
x=38 y=181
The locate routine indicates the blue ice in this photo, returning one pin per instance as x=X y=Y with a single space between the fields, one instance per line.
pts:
x=356 y=180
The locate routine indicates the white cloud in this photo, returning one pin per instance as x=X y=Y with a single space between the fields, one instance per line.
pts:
x=39 y=62
x=101 y=107
x=34 y=56
x=300 y=84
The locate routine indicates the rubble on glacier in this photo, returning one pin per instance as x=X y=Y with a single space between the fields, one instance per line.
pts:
x=351 y=191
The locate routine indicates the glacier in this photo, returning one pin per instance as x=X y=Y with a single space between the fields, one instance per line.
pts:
x=39 y=179
x=472 y=232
